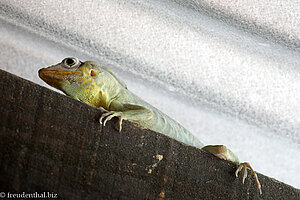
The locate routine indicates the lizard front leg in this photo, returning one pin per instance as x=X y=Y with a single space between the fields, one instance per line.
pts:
x=224 y=153
x=127 y=112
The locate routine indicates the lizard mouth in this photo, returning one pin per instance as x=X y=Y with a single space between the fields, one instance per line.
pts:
x=55 y=77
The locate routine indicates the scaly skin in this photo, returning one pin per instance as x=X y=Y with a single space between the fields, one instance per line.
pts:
x=96 y=85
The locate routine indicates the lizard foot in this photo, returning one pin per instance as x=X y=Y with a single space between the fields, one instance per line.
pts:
x=109 y=116
x=244 y=166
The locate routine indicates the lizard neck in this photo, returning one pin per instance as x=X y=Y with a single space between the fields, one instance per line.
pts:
x=109 y=90
x=102 y=99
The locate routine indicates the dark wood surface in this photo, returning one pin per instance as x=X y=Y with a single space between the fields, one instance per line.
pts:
x=52 y=143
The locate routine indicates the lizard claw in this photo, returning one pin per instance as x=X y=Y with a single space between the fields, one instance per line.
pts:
x=244 y=166
x=120 y=123
x=109 y=116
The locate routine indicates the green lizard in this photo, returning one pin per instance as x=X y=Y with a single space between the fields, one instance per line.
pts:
x=96 y=85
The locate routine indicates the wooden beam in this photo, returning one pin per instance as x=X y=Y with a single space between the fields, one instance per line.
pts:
x=52 y=143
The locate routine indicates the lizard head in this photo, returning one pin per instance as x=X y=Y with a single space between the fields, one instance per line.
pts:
x=85 y=81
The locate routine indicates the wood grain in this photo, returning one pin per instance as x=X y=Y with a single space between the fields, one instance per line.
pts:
x=52 y=143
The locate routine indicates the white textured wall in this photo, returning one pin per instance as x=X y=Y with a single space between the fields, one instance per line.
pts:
x=228 y=84
x=275 y=20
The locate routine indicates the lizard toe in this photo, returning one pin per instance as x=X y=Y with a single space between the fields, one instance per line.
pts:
x=103 y=116
x=244 y=166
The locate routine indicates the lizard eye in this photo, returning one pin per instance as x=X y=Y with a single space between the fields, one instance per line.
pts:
x=70 y=62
